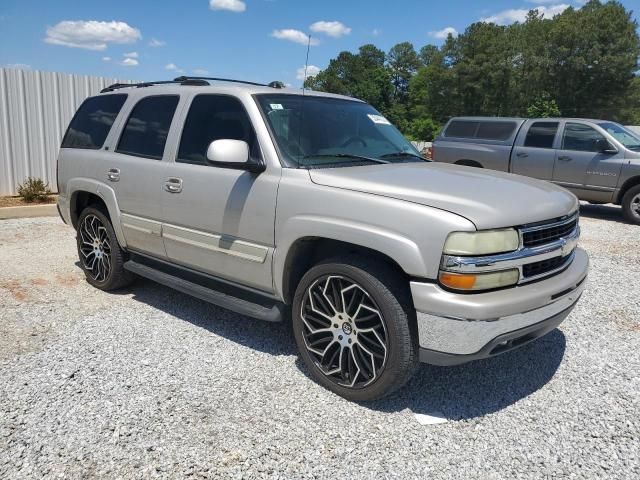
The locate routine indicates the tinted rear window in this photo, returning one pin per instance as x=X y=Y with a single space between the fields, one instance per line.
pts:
x=483 y=130
x=145 y=133
x=461 y=129
x=495 y=130
x=541 y=135
x=93 y=120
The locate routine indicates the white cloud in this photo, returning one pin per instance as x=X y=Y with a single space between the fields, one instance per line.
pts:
x=92 y=34
x=19 y=66
x=154 y=42
x=375 y=32
x=230 y=5
x=444 y=33
x=333 y=29
x=312 y=71
x=293 y=36
x=131 y=55
x=129 y=62
x=200 y=71
x=173 y=67
x=507 y=17
x=106 y=59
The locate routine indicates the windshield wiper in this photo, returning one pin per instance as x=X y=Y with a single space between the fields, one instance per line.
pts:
x=402 y=154
x=347 y=155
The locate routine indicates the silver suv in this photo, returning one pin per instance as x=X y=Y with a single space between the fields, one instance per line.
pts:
x=314 y=208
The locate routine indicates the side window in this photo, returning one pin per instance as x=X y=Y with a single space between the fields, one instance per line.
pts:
x=146 y=130
x=580 y=137
x=93 y=120
x=214 y=117
x=541 y=135
x=461 y=129
x=495 y=130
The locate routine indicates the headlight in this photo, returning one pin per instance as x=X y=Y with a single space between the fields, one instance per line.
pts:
x=482 y=243
x=479 y=281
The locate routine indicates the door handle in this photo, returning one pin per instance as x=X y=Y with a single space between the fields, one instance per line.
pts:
x=173 y=185
x=113 y=174
x=565 y=158
x=522 y=154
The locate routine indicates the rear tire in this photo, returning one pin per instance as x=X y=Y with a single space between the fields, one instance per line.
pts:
x=631 y=205
x=101 y=258
x=354 y=324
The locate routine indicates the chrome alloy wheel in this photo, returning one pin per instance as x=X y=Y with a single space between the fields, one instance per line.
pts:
x=95 y=249
x=635 y=206
x=344 y=331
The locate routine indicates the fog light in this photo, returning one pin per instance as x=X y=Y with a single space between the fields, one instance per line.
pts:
x=479 y=281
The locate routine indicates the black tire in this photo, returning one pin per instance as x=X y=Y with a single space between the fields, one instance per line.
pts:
x=631 y=205
x=107 y=246
x=386 y=290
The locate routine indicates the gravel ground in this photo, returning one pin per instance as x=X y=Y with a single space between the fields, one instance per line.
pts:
x=152 y=383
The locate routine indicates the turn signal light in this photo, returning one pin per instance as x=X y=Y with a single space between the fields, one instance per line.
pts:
x=479 y=281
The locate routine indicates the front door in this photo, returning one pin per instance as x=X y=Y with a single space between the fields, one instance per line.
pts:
x=582 y=167
x=135 y=171
x=219 y=220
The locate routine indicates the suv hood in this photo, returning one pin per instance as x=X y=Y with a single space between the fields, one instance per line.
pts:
x=488 y=198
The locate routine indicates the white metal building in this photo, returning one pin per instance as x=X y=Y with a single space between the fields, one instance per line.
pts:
x=35 y=109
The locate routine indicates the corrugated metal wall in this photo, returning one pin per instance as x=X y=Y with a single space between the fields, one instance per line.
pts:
x=35 y=110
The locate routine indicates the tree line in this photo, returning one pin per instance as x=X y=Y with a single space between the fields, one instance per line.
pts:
x=581 y=63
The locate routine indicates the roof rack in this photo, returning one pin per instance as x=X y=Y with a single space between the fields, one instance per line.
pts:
x=117 y=86
x=187 y=80
x=217 y=79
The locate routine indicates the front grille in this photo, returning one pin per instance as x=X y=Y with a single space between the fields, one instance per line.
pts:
x=542 y=267
x=540 y=236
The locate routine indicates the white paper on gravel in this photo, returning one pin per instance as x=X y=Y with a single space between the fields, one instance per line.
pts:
x=434 y=419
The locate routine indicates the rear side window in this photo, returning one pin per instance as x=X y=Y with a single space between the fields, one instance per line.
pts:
x=145 y=133
x=495 y=130
x=461 y=129
x=580 y=137
x=541 y=135
x=214 y=117
x=93 y=120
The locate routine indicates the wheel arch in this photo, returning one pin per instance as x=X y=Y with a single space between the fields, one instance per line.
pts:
x=85 y=192
x=626 y=186
x=468 y=163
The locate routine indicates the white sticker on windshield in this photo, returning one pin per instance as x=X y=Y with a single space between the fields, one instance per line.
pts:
x=379 y=119
x=276 y=106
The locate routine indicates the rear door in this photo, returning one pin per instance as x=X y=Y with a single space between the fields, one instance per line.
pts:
x=533 y=153
x=581 y=167
x=135 y=170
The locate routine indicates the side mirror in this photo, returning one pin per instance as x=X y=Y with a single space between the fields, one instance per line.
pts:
x=232 y=154
x=603 y=146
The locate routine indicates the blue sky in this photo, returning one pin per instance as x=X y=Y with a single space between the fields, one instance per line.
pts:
x=249 y=39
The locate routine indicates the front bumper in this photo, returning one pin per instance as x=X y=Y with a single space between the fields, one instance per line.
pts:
x=456 y=328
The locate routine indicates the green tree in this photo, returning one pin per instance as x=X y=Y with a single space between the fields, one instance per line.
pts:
x=543 y=107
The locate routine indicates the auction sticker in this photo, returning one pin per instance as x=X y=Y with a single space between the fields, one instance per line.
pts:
x=378 y=119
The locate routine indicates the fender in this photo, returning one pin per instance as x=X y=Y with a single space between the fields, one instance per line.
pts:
x=402 y=250
x=106 y=193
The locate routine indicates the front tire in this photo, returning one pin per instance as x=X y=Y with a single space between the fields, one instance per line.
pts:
x=631 y=205
x=101 y=257
x=354 y=324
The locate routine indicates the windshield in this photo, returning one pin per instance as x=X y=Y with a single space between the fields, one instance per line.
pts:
x=313 y=132
x=625 y=136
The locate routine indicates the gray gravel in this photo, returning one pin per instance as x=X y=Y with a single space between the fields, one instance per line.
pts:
x=153 y=383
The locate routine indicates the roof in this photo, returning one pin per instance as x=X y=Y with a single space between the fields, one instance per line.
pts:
x=520 y=119
x=216 y=85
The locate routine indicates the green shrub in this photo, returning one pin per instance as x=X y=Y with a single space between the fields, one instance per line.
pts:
x=34 y=190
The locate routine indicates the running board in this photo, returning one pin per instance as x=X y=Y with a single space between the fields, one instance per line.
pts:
x=224 y=300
